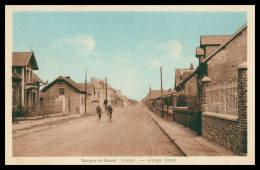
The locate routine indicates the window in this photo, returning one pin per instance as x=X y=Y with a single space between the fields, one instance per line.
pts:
x=61 y=90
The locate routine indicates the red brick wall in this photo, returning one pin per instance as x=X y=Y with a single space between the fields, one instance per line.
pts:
x=242 y=108
x=223 y=68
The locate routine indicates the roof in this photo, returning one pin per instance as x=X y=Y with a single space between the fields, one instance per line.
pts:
x=156 y=93
x=16 y=76
x=69 y=81
x=213 y=39
x=215 y=52
x=225 y=43
x=23 y=58
x=89 y=87
x=36 y=78
x=184 y=72
x=199 y=51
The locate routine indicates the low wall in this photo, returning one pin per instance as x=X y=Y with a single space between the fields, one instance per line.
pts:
x=223 y=131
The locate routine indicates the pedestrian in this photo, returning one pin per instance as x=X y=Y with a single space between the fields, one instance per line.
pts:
x=110 y=110
x=99 y=112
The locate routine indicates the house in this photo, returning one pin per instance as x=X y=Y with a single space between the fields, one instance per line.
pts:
x=184 y=86
x=189 y=83
x=101 y=91
x=66 y=91
x=25 y=83
x=224 y=92
x=154 y=97
x=16 y=89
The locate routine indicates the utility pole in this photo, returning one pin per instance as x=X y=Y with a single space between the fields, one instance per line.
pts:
x=86 y=91
x=150 y=102
x=161 y=90
x=106 y=96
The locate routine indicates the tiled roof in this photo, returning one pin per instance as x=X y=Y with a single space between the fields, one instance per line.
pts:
x=69 y=81
x=22 y=59
x=89 y=87
x=73 y=83
x=156 y=93
x=225 y=43
x=199 y=51
x=36 y=78
x=213 y=39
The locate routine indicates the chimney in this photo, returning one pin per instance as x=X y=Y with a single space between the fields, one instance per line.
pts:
x=191 y=66
x=45 y=84
x=68 y=77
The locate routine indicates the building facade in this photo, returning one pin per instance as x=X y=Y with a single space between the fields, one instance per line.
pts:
x=66 y=92
x=101 y=91
x=25 y=83
x=224 y=97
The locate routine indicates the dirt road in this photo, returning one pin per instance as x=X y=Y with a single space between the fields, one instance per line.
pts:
x=132 y=132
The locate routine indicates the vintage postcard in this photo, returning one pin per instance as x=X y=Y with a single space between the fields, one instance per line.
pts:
x=130 y=85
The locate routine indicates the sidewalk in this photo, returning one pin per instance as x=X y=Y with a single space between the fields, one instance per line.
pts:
x=188 y=141
x=31 y=122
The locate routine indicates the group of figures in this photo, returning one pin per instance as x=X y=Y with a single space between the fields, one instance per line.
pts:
x=109 y=111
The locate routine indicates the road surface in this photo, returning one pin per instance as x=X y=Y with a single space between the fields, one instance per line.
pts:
x=132 y=132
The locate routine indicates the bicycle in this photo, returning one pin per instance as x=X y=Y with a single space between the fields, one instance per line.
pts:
x=110 y=116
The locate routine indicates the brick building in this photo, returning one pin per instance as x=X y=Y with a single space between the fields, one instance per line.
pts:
x=102 y=91
x=221 y=88
x=68 y=92
x=224 y=94
x=184 y=85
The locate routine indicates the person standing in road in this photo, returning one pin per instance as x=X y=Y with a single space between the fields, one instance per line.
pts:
x=99 y=112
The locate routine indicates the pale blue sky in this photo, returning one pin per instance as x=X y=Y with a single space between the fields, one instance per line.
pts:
x=126 y=47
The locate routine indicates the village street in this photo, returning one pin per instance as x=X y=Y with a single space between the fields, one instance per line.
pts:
x=132 y=132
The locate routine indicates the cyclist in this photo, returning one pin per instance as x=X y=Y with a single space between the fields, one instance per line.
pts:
x=99 y=112
x=110 y=110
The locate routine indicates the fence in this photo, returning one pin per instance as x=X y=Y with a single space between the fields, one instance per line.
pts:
x=43 y=108
x=222 y=99
x=190 y=116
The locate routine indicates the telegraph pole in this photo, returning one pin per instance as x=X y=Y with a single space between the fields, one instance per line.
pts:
x=106 y=96
x=86 y=91
x=161 y=90
x=150 y=102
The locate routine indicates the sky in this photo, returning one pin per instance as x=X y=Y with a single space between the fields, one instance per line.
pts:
x=126 y=47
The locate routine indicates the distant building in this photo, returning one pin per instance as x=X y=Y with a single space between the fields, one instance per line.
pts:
x=101 y=91
x=183 y=85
